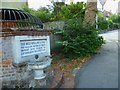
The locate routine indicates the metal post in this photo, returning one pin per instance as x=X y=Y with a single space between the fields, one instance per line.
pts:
x=96 y=21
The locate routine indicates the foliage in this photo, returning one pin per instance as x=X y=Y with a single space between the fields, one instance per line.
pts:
x=42 y=13
x=115 y=18
x=78 y=40
x=110 y=22
x=102 y=23
x=114 y=21
x=27 y=9
x=62 y=11
x=56 y=11
x=73 y=10
x=59 y=11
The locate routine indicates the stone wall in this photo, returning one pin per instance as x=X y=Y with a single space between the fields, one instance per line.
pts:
x=54 y=25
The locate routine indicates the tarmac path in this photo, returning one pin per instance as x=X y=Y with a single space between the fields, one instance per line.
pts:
x=102 y=70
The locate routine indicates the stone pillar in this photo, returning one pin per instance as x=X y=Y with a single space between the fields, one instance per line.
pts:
x=90 y=14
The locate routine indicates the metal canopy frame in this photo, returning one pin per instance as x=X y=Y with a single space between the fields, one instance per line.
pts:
x=14 y=19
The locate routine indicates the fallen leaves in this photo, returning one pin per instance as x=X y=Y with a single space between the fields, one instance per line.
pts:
x=65 y=65
x=61 y=64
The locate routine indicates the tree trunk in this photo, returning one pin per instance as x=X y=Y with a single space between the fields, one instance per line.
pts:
x=90 y=13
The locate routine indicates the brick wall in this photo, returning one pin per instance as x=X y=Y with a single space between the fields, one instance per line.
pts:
x=8 y=71
x=10 y=75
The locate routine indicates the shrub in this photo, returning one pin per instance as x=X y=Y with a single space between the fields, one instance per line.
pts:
x=77 y=40
x=73 y=10
x=109 y=22
x=114 y=21
x=62 y=11
x=42 y=13
x=59 y=11
x=103 y=24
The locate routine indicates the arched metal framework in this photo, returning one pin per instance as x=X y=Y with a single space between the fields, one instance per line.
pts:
x=17 y=19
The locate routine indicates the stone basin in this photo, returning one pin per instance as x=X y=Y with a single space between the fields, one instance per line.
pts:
x=38 y=67
x=39 y=64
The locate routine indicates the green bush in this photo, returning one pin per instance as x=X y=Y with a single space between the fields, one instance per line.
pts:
x=62 y=11
x=44 y=16
x=55 y=15
x=73 y=10
x=27 y=9
x=59 y=11
x=103 y=24
x=42 y=13
x=114 y=21
x=108 y=22
x=77 y=40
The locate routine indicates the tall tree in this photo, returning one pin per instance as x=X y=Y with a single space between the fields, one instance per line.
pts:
x=90 y=13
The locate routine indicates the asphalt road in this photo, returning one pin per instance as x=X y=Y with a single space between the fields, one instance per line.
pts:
x=102 y=70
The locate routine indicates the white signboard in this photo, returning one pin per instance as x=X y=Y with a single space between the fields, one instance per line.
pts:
x=32 y=47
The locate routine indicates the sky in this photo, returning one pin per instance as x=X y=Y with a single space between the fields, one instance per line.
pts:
x=110 y=5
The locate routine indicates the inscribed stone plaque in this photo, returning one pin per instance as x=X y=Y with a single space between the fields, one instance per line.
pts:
x=32 y=47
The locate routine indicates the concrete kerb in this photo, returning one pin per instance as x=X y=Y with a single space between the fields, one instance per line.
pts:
x=57 y=79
